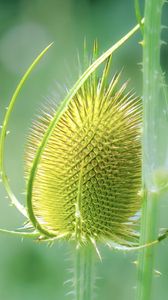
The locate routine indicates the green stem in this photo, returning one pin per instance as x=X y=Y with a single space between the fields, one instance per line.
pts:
x=146 y=255
x=150 y=153
x=84 y=273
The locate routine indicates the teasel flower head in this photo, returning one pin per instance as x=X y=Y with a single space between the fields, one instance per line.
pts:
x=87 y=182
x=83 y=160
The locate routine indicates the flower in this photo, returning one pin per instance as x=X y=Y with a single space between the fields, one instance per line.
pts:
x=88 y=178
x=83 y=161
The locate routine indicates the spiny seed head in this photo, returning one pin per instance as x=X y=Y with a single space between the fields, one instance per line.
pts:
x=88 y=180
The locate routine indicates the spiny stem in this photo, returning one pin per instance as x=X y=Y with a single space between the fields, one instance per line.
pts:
x=150 y=155
x=84 y=273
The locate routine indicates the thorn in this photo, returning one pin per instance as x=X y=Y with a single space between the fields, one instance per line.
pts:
x=164 y=27
x=70 y=293
x=23 y=193
x=140 y=193
x=141 y=43
x=157 y=273
x=109 y=245
x=70 y=270
x=163 y=229
x=68 y=281
x=50 y=244
x=163 y=43
x=77 y=246
x=95 y=246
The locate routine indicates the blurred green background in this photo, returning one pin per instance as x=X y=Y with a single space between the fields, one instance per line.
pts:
x=29 y=270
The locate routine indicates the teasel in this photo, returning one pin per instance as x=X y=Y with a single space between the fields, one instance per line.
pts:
x=88 y=179
x=83 y=167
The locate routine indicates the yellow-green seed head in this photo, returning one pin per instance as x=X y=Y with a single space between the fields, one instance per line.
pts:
x=88 y=180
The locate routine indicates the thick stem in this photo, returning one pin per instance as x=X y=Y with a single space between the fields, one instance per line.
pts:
x=84 y=273
x=146 y=256
x=150 y=143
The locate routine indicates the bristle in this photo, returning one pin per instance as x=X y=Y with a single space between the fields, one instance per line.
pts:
x=89 y=177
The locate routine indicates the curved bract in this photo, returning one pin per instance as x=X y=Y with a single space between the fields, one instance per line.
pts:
x=88 y=179
x=3 y=175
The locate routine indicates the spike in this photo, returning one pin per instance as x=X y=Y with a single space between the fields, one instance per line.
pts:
x=157 y=273
x=141 y=43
